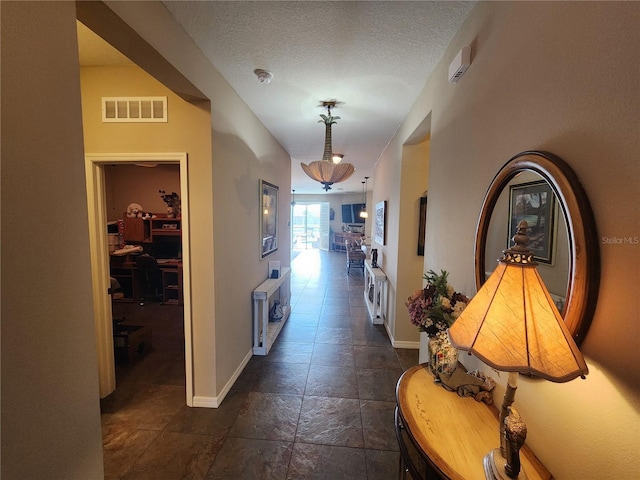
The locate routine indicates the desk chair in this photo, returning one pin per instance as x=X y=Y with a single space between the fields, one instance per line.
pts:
x=355 y=256
x=150 y=278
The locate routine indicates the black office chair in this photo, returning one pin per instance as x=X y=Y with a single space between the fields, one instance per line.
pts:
x=150 y=279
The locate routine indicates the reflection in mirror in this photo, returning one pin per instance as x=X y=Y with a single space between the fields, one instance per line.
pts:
x=570 y=262
x=555 y=270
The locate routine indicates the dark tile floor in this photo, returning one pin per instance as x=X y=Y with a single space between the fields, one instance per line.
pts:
x=319 y=406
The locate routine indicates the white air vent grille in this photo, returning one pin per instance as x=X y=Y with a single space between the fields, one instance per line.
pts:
x=134 y=109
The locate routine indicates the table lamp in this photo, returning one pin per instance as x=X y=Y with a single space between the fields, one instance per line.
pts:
x=513 y=325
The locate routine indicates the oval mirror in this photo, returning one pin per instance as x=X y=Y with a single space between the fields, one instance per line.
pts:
x=563 y=236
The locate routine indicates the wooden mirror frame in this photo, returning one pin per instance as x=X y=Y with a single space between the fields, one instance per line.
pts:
x=584 y=254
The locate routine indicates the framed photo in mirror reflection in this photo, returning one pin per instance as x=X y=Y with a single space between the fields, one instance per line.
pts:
x=534 y=202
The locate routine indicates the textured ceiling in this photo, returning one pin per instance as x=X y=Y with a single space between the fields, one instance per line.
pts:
x=373 y=57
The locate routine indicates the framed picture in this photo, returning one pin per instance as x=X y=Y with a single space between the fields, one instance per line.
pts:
x=422 y=225
x=268 y=218
x=378 y=234
x=535 y=203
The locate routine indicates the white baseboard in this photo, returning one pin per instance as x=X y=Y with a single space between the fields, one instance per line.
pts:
x=215 y=402
x=401 y=343
x=408 y=345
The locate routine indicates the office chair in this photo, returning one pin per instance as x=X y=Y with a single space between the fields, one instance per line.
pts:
x=150 y=278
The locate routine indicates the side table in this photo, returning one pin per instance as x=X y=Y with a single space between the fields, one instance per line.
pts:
x=443 y=435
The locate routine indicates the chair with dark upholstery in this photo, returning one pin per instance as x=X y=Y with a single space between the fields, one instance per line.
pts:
x=355 y=256
x=150 y=278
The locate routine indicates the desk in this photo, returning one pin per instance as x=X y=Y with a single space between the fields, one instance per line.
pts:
x=123 y=268
x=442 y=435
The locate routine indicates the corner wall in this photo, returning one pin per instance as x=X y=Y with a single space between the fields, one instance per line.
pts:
x=50 y=405
x=555 y=76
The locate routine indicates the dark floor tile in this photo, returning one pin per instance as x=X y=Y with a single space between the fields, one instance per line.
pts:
x=209 y=421
x=268 y=416
x=297 y=333
x=175 y=456
x=149 y=407
x=336 y=301
x=339 y=310
x=323 y=462
x=334 y=335
x=365 y=333
x=333 y=354
x=330 y=421
x=287 y=378
x=334 y=321
x=408 y=357
x=251 y=459
x=378 y=384
x=382 y=465
x=376 y=357
x=304 y=319
x=122 y=447
x=328 y=381
x=290 y=352
x=378 y=425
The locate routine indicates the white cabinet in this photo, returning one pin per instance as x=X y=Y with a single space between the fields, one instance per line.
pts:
x=264 y=331
x=375 y=290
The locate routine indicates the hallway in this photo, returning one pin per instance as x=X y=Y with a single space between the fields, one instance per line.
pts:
x=319 y=406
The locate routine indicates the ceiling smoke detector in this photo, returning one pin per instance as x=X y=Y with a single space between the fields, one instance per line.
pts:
x=263 y=75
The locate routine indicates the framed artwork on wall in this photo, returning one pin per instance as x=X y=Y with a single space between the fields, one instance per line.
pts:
x=422 y=225
x=535 y=203
x=379 y=226
x=268 y=218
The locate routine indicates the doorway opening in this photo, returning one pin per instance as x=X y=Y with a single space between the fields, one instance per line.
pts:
x=100 y=264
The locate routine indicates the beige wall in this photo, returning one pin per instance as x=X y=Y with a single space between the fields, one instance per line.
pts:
x=127 y=184
x=243 y=152
x=555 y=76
x=187 y=130
x=50 y=407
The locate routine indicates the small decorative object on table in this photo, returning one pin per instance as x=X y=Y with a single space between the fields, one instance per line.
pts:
x=374 y=258
x=433 y=310
x=173 y=203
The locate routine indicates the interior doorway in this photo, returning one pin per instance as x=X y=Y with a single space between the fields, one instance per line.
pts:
x=96 y=197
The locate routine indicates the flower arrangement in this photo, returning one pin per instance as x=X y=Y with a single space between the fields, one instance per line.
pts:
x=173 y=202
x=434 y=308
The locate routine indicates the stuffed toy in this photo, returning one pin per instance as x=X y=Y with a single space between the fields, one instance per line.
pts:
x=134 y=210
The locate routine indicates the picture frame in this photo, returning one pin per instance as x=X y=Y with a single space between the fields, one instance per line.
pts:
x=380 y=220
x=422 y=225
x=534 y=202
x=268 y=218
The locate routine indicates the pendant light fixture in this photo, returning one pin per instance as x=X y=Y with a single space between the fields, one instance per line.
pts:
x=363 y=212
x=293 y=198
x=328 y=171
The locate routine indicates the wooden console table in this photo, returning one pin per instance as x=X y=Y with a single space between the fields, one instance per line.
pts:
x=264 y=331
x=377 y=278
x=442 y=435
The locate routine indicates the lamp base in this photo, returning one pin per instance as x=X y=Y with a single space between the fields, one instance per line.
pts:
x=494 y=467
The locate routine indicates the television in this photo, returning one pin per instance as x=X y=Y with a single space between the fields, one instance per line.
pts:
x=351 y=213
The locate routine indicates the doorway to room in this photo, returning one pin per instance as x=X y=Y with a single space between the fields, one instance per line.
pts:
x=97 y=199
x=309 y=226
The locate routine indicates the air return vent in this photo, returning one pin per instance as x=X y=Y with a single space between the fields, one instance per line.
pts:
x=134 y=109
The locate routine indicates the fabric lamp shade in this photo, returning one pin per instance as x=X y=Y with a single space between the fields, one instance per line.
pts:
x=328 y=172
x=513 y=325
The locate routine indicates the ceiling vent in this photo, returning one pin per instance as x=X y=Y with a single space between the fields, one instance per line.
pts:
x=460 y=64
x=134 y=109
